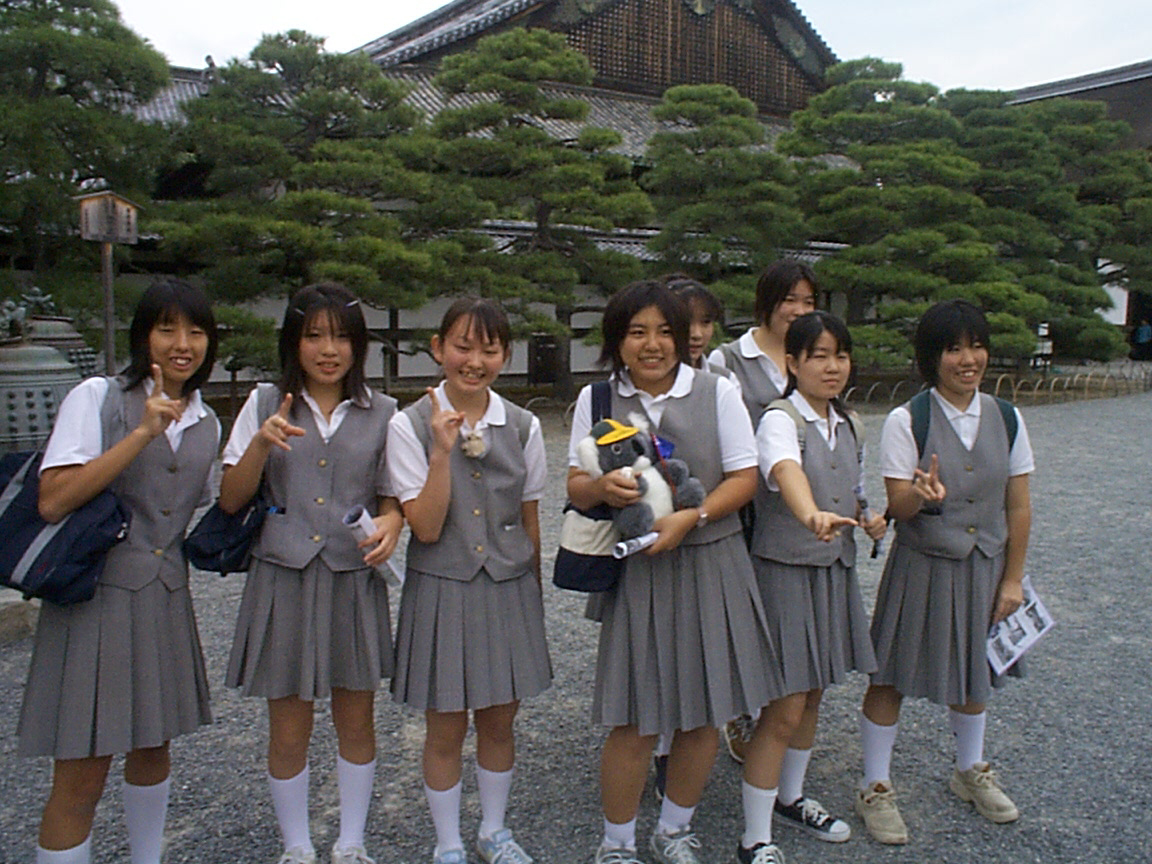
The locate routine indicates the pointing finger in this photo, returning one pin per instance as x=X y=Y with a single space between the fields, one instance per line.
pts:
x=934 y=470
x=431 y=391
x=158 y=379
x=285 y=407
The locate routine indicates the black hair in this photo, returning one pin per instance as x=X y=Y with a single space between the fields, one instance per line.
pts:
x=344 y=313
x=162 y=303
x=946 y=324
x=488 y=321
x=803 y=334
x=777 y=281
x=626 y=303
x=691 y=291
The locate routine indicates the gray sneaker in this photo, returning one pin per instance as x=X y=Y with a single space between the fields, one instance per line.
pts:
x=616 y=855
x=678 y=848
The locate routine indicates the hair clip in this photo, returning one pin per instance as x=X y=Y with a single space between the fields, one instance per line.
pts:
x=298 y=311
x=351 y=303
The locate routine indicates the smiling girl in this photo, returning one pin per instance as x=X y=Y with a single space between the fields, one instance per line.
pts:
x=963 y=513
x=313 y=621
x=469 y=469
x=683 y=643
x=805 y=555
x=123 y=672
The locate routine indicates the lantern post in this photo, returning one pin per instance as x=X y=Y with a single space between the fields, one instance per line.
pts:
x=108 y=218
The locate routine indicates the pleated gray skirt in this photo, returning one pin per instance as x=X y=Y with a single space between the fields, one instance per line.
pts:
x=817 y=622
x=930 y=626
x=121 y=672
x=469 y=645
x=684 y=642
x=302 y=632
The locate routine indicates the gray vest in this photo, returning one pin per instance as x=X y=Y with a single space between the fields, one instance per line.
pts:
x=483 y=529
x=972 y=514
x=691 y=424
x=756 y=388
x=161 y=488
x=833 y=475
x=314 y=484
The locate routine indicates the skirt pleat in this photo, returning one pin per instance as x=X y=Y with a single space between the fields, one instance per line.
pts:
x=302 y=632
x=121 y=672
x=930 y=626
x=684 y=642
x=469 y=645
x=817 y=621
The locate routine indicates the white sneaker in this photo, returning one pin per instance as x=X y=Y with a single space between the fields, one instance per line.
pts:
x=615 y=855
x=298 y=855
x=350 y=855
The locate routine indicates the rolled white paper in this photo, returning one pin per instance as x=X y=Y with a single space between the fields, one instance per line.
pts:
x=362 y=526
x=629 y=547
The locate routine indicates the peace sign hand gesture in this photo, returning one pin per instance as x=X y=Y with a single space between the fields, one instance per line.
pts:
x=927 y=485
x=445 y=425
x=159 y=409
x=276 y=430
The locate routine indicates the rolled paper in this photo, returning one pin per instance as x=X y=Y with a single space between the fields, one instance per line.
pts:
x=362 y=527
x=630 y=547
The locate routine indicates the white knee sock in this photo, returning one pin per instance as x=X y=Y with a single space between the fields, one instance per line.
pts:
x=792 y=773
x=673 y=817
x=81 y=854
x=969 y=732
x=620 y=835
x=877 y=742
x=758 y=806
x=445 y=809
x=494 y=788
x=355 y=782
x=290 y=801
x=144 y=810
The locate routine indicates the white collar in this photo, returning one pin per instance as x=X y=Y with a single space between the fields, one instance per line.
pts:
x=494 y=415
x=682 y=386
x=809 y=413
x=749 y=347
x=952 y=412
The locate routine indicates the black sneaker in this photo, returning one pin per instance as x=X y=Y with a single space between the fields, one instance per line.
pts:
x=761 y=853
x=661 y=763
x=809 y=815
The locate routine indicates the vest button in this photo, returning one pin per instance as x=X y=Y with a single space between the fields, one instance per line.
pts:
x=479 y=548
x=316 y=538
x=835 y=499
x=157 y=552
x=475 y=475
x=967 y=467
x=172 y=469
x=320 y=501
x=165 y=512
x=476 y=512
x=971 y=500
x=971 y=529
x=323 y=463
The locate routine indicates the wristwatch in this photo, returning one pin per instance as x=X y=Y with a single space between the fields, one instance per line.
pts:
x=703 y=520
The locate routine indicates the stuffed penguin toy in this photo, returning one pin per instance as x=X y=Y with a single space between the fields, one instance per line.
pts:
x=665 y=484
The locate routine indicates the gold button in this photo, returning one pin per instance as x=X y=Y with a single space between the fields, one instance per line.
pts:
x=157 y=552
x=479 y=548
x=835 y=499
x=165 y=512
x=475 y=475
x=315 y=538
x=967 y=467
x=971 y=529
x=476 y=512
x=319 y=500
x=171 y=469
x=323 y=463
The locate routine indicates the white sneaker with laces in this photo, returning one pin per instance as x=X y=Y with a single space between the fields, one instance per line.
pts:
x=350 y=855
x=298 y=855
x=500 y=848
x=678 y=848
x=615 y=855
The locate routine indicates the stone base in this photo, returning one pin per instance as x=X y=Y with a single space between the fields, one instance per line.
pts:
x=17 y=616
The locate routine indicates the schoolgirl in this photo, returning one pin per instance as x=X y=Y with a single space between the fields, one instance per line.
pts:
x=123 y=673
x=683 y=643
x=786 y=290
x=704 y=311
x=963 y=513
x=313 y=620
x=469 y=469
x=804 y=555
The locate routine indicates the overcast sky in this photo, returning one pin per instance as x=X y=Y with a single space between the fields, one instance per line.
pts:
x=1002 y=44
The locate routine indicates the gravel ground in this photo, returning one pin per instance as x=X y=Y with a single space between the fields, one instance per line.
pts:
x=1070 y=741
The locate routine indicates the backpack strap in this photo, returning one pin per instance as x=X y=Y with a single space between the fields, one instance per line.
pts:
x=1008 y=412
x=601 y=401
x=788 y=408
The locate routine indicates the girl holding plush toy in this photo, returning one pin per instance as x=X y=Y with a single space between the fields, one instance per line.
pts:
x=804 y=555
x=469 y=470
x=686 y=611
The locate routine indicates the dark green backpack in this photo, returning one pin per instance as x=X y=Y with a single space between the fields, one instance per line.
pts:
x=920 y=409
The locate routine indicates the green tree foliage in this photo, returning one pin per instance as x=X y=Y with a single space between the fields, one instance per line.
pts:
x=70 y=74
x=496 y=143
x=965 y=195
x=725 y=202
x=314 y=174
